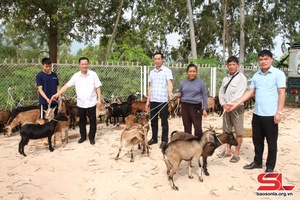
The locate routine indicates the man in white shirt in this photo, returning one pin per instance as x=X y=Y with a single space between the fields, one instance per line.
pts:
x=87 y=86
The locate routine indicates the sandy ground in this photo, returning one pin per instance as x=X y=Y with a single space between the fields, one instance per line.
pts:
x=83 y=171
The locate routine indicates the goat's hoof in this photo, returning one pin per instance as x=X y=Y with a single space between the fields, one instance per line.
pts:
x=191 y=177
x=200 y=179
x=51 y=150
x=131 y=160
x=206 y=173
x=175 y=188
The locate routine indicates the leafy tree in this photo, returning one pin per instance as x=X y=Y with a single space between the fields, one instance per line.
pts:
x=57 y=21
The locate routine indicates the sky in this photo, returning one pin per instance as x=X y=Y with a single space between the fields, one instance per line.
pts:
x=173 y=40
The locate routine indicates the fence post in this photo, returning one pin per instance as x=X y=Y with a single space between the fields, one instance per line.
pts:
x=144 y=92
x=213 y=81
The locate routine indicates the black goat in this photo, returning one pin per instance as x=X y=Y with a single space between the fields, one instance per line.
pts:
x=37 y=131
x=117 y=110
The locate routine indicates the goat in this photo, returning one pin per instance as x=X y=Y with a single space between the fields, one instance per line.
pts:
x=141 y=118
x=210 y=147
x=218 y=108
x=178 y=150
x=30 y=116
x=120 y=110
x=72 y=112
x=132 y=136
x=4 y=117
x=138 y=106
x=62 y=126
x=37 y=131
x=249 y=103
x=102 y=111
x=174 y=108
x=211 y=104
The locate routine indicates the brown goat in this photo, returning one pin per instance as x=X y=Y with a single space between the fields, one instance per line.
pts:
x=26 y=117
x=210 y=147
x=132 y=136
x=211 y=105
x=174 y=108
x=138 y=106
x=61 y=126
x=4 y=117
x=178 y=150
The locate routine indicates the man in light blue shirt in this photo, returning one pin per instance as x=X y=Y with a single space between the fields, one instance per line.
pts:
x=268 y=85
x=160 y=88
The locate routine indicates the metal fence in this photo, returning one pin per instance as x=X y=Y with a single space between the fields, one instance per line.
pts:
x=18 y=85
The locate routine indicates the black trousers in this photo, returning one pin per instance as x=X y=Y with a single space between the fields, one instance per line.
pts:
x=264 y=127
x=192 y=115
x=91 y=114
x=162 y=108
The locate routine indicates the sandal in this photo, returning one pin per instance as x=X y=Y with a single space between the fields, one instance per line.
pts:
x=223 y=155
x=235 y=159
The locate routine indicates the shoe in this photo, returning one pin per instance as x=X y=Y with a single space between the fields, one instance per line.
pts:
x=269 y=170
x=252 y=166
x=81 y=140
x=162 y=145
x=150 y=142
x=235 y=159
x=92 y=142
x=223 y=155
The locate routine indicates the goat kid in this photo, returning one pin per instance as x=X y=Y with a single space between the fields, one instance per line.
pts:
x=37 y=131
x=178 y=150
x=132 y=136
x=210 y=147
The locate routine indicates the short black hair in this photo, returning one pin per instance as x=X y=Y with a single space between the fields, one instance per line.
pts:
x=191 y=65
x=83 y=58
x=46 y=61
x=158 y=53
x=265 y=52
x=233 y=59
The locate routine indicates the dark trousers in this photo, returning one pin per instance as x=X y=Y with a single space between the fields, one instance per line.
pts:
x=91 y=114
x=44 y=107
x=162 y=108
x=264 y=127
x=192 y=115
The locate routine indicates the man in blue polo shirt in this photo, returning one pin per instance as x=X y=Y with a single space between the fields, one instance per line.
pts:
x=268 y=85
x=47 y=84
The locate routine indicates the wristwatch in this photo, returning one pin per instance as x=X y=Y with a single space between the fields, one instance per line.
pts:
x=280 y=113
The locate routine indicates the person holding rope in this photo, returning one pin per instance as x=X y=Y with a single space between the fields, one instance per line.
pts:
x=87 y=86
x=268 y=84
x=193 y=94
x=47 y=84
x=160 y=88
x=233 y=87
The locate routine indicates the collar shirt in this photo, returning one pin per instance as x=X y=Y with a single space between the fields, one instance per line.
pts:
x=159 y=82
x=235 y=89
x=266 y=91
x=85 y=87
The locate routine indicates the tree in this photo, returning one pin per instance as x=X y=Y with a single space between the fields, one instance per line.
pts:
x=58 y=21
x=192 y=29
x=242 y=35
